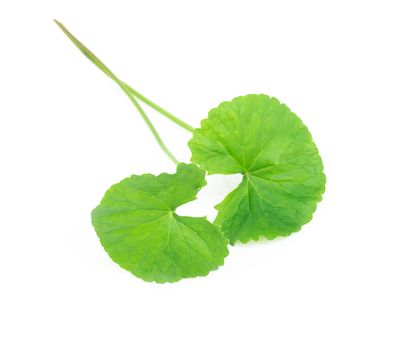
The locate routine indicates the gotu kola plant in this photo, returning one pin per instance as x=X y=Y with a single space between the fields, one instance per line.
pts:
x=253 y=135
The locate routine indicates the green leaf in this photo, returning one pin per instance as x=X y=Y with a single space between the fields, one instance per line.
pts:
x=283 y=179
x=138 y=227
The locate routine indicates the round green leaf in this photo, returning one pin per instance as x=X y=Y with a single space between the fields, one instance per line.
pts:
x=283 y=178
x=138 y=227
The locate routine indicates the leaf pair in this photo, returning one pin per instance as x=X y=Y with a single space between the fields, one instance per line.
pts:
x=252 y=135
x=282 y=182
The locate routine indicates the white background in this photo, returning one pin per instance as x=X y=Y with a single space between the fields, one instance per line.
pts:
x=67 y=133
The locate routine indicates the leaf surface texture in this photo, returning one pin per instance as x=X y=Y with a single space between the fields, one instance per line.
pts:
x=283 y=178
x=138 y=227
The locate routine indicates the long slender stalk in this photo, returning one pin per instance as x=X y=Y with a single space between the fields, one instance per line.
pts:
x=93 y=58
x=170 y=116
x=150 y=125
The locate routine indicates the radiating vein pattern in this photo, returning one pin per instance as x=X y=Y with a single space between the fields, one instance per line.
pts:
x=283 y=178
x=138 y=227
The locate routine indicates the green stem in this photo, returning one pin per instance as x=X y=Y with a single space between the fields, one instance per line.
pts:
x=149 y=124
x=93 y=58
x=168 y=115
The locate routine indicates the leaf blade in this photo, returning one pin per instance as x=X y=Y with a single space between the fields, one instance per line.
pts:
x=140 y=231
x=282 y=171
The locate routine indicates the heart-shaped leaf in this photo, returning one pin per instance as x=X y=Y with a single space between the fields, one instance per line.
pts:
x=138 y=227
x=283 y=178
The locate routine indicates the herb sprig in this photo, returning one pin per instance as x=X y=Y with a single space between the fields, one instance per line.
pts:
x=253 y=135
